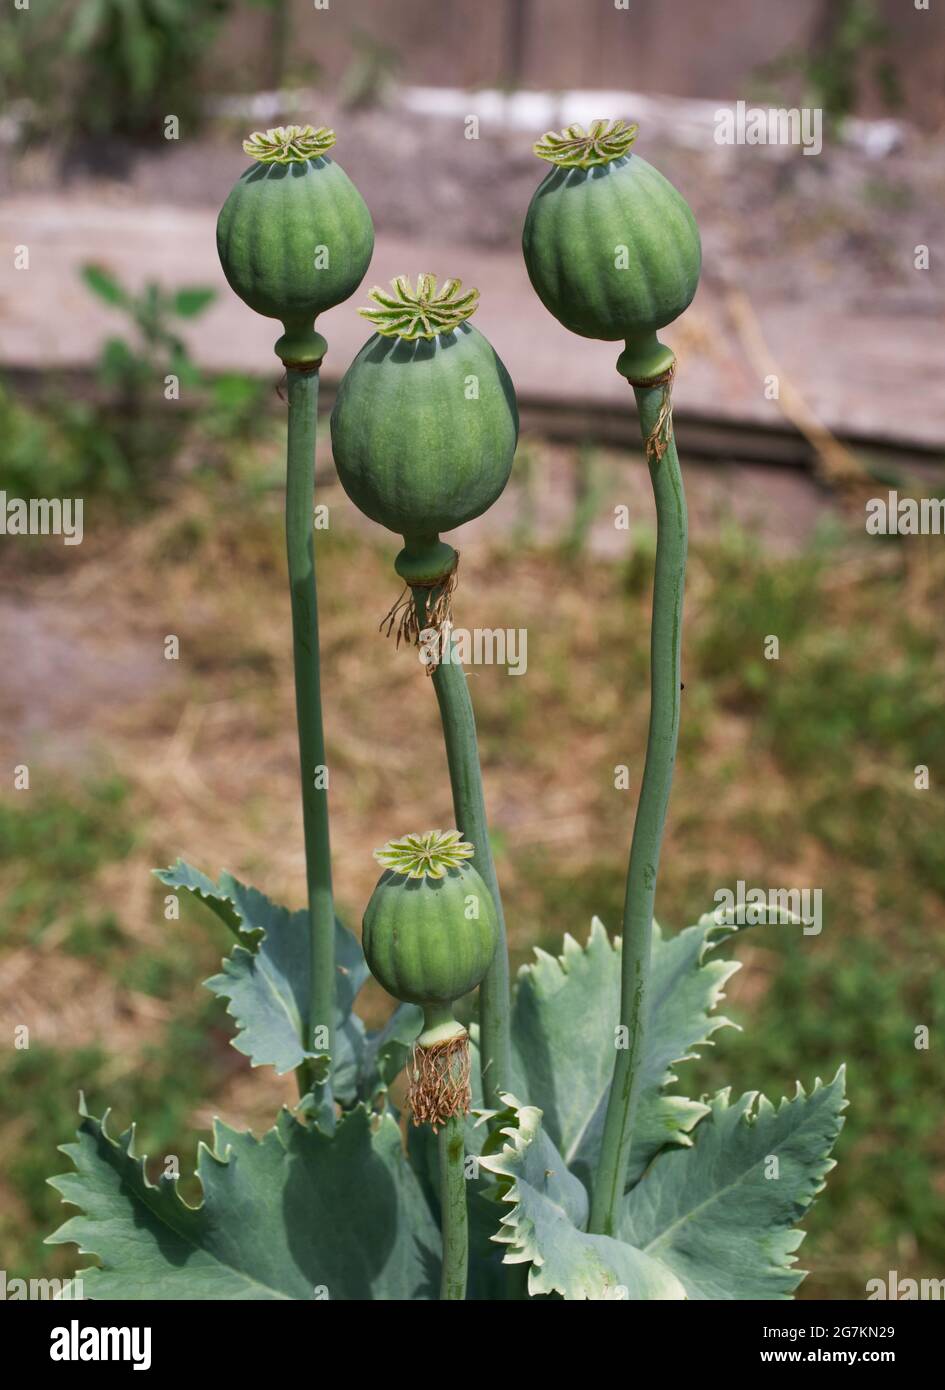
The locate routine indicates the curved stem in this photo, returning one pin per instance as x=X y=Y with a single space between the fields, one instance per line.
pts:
x=665 y=641
x=453 y=1217
x=300 y=492
x=469 y=808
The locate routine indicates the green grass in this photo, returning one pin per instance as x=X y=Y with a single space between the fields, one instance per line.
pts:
x=50 y=849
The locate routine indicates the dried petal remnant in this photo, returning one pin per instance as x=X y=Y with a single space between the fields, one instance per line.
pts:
x=439 y=1082
x=657 y=441
x=404 y=617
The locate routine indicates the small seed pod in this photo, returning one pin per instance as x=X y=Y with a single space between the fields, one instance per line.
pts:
x=423 y=431
x=611 y=248
x=429 y=934
x=294 y=236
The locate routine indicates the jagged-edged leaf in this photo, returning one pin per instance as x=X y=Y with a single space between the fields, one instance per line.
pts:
x=216 y=896
x=297 y=1214
x=266 y=979
x=549 y=1210
x=721 y=1213
x=564 y=1015
x=269 y=994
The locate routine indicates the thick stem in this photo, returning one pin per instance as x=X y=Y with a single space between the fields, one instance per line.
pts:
x=665 y=641
x=469 y=808
x=439 y=1025
x=300 y=491
x=453 y=1218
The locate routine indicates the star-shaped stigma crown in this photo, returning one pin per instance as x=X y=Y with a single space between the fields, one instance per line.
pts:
x=425 y=856
x=289 y=144
x=424 y=312
x=577 y=148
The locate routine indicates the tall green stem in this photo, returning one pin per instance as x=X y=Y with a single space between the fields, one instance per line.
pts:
x=469 y=805
x=469 y=808
x=300 y=493
x=453 y=1217
x=665 y=642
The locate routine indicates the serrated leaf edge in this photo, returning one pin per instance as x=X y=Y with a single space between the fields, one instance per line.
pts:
x=752 y=1105
x=219 y=986
x=515 y=1230
x=124 y=1144
x=598 y=936
x=222 y=891
x=248 y=942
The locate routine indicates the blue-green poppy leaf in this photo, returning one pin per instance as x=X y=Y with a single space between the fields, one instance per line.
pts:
x=722 y=1213
x=297 y=1214
x=544 y=1227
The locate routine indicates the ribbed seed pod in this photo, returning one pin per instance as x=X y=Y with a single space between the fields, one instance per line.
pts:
x=611 y=248
x=417 y=451
x=294 y=236
x=429 y=934
x=424 y=427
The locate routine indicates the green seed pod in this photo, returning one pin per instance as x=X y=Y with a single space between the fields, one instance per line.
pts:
x=611 y=248
x=294 y=236
x=430 y=929
x=425 y=423
x=429 y=934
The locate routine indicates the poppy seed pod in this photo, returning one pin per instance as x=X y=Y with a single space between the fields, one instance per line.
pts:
x=424 y=430
x=294 y=236
x=611 y=248
x=429 y=934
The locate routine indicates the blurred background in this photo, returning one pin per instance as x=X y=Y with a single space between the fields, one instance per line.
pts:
x=809 y=382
